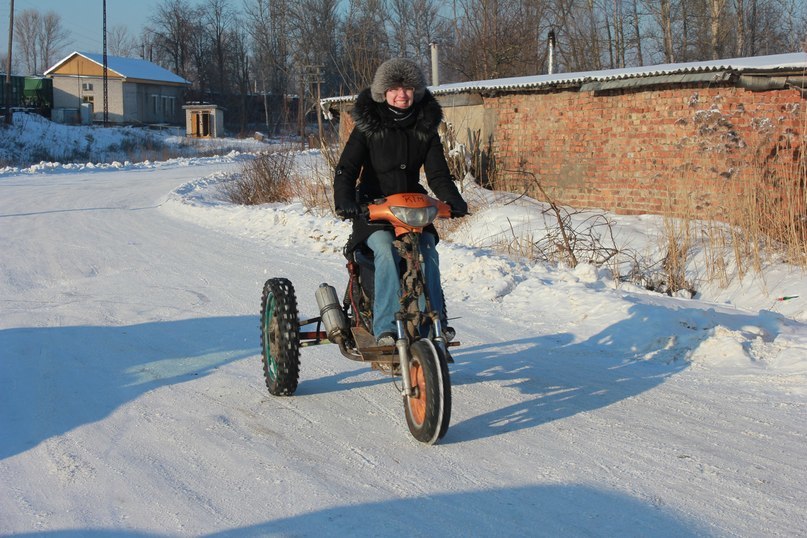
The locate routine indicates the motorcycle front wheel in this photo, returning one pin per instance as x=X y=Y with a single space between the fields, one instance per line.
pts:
x=428 y=410
x=280 y=337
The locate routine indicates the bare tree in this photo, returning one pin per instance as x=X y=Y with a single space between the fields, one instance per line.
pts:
x=717 y=14
x=401 y=13
x=494 y=38
x=52 y=38
x=173 y=25
x=201 y=61
x=580 y=39
x=121 y=43
x=26 y=40
x=590 y=31
x=366 y=43
x=217 y=19
x=661 y=15
x=39 y=39
x=147 y=44
x=480 y=39
x=625 y=40
x=240 y=69
x=314 y=24
x=268 y=27
x=637 y=33
x=414 y=25
x=618 y=41
x=739 y=9
x=778 y=26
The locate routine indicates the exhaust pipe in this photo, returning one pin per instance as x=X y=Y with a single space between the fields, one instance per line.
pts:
x=333 y=317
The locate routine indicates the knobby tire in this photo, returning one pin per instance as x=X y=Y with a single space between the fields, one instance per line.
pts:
x=280 y=337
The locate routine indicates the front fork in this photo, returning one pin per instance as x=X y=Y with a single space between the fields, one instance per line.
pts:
x=402 y=345
x=412 y=279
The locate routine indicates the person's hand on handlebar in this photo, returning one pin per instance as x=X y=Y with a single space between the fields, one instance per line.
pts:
x=349 y=210
x=459 y=208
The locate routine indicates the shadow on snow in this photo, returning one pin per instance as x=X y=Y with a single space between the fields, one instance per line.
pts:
x=551 y=510
x=54 y=379
x=561 y=378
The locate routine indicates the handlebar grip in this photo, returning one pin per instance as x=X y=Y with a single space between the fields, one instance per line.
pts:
x=363 y=211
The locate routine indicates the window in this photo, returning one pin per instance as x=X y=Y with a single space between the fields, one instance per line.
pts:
x=169 y=107
x=87 y=87
x=87 y=99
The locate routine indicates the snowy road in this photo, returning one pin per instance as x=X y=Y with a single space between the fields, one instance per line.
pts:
x=132 y=402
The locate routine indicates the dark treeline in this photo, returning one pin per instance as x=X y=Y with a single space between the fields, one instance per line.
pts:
x=252 y=55
x=283 y=47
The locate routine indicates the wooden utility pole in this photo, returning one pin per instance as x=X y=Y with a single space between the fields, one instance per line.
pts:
x=266 y=105
x=319 y=112
x=310 y=74
x=301 y=110
x=8 y=65
x=314 y=73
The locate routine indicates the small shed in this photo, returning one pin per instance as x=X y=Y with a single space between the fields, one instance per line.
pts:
x=204 y=120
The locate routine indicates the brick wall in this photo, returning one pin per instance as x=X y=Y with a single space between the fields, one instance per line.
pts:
x=678 y=149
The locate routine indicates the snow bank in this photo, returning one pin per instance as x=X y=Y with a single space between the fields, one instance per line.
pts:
x=767 y=340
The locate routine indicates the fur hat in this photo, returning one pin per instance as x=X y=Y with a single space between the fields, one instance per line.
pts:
x=397 y=72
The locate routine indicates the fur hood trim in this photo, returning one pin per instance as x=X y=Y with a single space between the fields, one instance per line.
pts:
x=373 y=118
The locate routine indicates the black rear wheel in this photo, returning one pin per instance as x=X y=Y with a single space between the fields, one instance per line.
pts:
x=280 y=337
x=428 y=410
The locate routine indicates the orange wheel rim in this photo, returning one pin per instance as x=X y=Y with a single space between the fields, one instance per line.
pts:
x=417 y=404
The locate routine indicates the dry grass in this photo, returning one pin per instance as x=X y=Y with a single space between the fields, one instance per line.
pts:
x=474 y=157
x=315 y=192
x=678 y=239
x=265 y=179
x=756 y=217
x=314 y=186
x=760 y=216
x=331 y=154
x=744 y=229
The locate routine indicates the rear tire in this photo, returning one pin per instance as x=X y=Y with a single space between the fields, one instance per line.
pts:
x=280 y=337
x=428 y=410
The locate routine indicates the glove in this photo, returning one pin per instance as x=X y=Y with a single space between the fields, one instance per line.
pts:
x=459 y=208
x=348 y=209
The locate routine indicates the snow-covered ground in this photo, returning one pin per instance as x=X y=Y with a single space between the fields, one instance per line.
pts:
x=33 y=139
x=132 y=400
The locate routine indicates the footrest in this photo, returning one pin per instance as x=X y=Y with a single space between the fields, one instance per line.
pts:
x=369 y=349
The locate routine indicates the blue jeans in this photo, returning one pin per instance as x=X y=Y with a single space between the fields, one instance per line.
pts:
x=387 y=282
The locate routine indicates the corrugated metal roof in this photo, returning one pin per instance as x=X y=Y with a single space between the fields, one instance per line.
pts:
x=795 y=62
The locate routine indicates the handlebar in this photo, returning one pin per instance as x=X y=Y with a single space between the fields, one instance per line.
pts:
x=364 y=210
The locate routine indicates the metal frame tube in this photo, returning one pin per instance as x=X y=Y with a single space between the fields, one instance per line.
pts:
x=402 y=344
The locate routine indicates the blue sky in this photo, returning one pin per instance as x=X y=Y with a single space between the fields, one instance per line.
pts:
x=84 y=18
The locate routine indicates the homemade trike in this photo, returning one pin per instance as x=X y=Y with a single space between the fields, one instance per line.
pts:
x=420 y=356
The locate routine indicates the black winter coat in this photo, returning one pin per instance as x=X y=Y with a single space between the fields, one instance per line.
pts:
x=384 y=156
